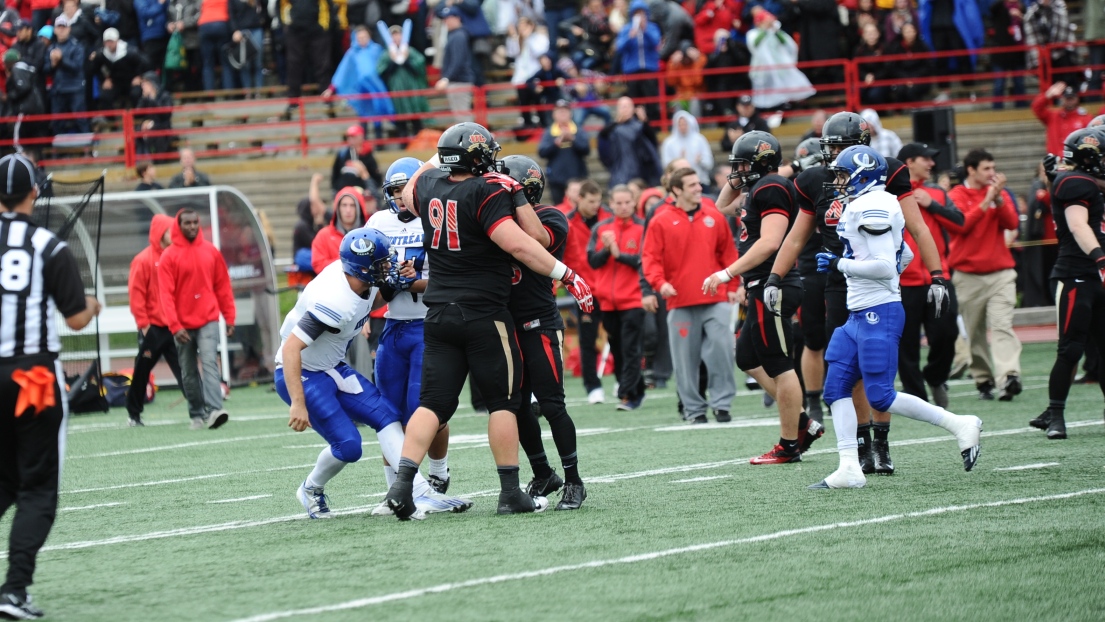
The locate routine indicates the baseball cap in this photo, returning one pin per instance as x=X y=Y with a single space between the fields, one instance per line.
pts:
x=449 y=11
x=23 y=24
x=745 y=99
x=46 y=32
x=17 y=175
x=354 y=130
x=562 y=103
x=916 y=150
x=11 y=57
x=1070 y=91
x=151 y=76
x=111 y=34
x=61 y=20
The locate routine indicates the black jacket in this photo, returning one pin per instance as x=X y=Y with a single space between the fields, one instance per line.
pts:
x=162 y=120
x=244 y=16
x=22 y=93
x=338 y=179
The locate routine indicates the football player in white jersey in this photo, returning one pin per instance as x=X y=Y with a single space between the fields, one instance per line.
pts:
x=326 y=394
x=867 y=345
x=399 y=355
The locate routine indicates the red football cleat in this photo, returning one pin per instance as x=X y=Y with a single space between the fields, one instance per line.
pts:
x=777 y=455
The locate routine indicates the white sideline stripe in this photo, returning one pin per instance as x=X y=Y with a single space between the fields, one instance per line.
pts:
x=1027 y=387
x=469 y=441
x=746 y=423
x=1025 y=467
x=92 y=507
x=241 y=499
x=146 y=450
x=179 y=480
x=699 y=479
x=643 y=557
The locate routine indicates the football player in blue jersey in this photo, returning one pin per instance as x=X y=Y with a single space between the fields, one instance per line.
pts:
x=325 y=393
x=871 y=229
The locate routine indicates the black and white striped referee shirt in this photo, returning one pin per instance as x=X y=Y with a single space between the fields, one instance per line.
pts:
x=39 y=278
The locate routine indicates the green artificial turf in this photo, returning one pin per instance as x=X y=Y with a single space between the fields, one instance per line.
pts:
x=914 y=546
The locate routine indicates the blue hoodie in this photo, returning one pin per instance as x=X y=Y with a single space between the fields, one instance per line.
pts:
x=152 y=18
x=968 y=21
x=356 y=75
x=642 y=52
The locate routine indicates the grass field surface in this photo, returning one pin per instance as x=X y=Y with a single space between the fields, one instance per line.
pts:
x=164 y=523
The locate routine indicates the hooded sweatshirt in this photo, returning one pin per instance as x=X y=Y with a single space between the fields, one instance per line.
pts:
x=884 y=141
x=145 y=299
x=324 y=248
x=195 y=283
x=692 y=146
x=640 y=52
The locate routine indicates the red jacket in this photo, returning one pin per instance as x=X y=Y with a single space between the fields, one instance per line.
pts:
x=617 y=282
x=916 y=274
x=978 y=247
x=709 y=19
x=579 y=236
x=683 y=252
x=1059 y=122
x=327 y=243
x=195 y=284
x=145 y=297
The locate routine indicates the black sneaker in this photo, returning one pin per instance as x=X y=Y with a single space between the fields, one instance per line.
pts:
x=699 y=419
x=880 y=457
x=1011 y=388
x=985 y=390
x=1056 y=428
x=940 y=394
x=438 y=484
x=1043 y=421
x=866 y=460
x=813 y=431
x=400 y=499
x=572 y=497
x=13 y=607
x=722 y=416
x=518 y=502
x=544 y=486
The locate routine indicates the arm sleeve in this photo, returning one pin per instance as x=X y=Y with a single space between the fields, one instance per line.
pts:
x=883 y=264
x=1040 y=102
x=223 y=292
x=946 y=213
x=806 y=193
x=136 y=290
x=596 y=257
x=652 y=260
x=63 y=281
x=309 y=328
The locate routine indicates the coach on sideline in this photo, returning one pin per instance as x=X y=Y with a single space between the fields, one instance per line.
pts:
x=38 y=279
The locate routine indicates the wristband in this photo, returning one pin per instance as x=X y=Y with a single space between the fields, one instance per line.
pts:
x=1098 y=256
x=723 y=275
x=937 y=274
x=773 y=279
x=558 y=271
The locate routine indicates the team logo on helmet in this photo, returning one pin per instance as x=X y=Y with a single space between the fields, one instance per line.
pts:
x=1090 y=140
x=476 y=137
x=763 y=150
x=803 y=152
x=864 y=161
x=863 y=126
x=362 y=246
x=534 y=173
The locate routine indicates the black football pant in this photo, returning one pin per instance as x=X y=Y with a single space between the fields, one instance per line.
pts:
x=157 y=343
x=31 y=447
x=1081 y=312
x=544 y=378
x=940 y=332
x=625 y=330
x=588 y=334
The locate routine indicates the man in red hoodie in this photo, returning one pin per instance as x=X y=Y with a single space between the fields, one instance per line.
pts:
x=614 y=253
x=1061 y=121
x=985 y=281
x=685 y=244
x=155 y=338
x=587 y=214
x=195 y=289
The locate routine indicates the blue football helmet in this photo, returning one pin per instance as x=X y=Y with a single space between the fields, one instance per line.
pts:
x=399 y=173
x=858 y=169
x=366 y=254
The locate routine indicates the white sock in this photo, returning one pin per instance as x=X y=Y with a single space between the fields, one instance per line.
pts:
x=844 y=425
x=391 y=445
x=389 y=474
x=440 y=468
x=916 y=408
x=326 y=467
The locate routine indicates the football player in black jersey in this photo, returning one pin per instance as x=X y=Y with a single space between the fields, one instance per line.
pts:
x=812 y=310
x=541 y=336
x=1079 y=273
x=818 y=210
x=469 y=212
x=765 y=343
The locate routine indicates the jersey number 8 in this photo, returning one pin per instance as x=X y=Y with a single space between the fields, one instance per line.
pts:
x=444 y=216
x=15 y=270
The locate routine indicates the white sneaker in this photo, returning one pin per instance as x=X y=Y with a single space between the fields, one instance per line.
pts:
x=968 y=432
x=847 y=476
x=596 y=396
x=434 y=502
x=382 y=510
x=314 y=501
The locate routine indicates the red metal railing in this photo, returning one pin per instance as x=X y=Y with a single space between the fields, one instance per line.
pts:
x=304 y=130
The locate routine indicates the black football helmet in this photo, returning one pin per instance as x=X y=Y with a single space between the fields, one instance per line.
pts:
x=526 y=172
x=762 y=152
x=1082 y=151
x=808 y=155
x=843 y=130
x=1097 y=121
x=467 y=148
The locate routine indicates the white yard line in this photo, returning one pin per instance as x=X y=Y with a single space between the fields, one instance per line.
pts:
x=147 y=450
x=700 y=479
x=179 y=480
x=650 y=556
x=92 y=507
x=1026 y=467
x=241 y=499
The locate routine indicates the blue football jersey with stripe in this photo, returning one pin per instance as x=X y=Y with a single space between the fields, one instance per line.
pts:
x=333 y=304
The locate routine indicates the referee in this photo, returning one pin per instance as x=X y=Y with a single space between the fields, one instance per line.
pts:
x=38 y=280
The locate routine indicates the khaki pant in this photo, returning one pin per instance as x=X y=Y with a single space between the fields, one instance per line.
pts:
x=987 y=301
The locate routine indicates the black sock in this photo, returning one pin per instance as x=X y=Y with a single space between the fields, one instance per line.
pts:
x=508 y=478
x=406 y=471
x=789 y=446
x=882 y=431
x=803 y=421
x=863 y=434
x=1058 y=384
x=571 y=471
x=540 y=465
x=563 y=433
x=1056 y=407
x=813 y=400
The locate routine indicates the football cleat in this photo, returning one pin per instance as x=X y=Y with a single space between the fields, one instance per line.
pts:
x=985 y=391
x=1011 y=388
x=572 y=497
x=849 y=476
x=439 y=484
x=435 y=502
x=1043 y=421
x=722 y=416
x=866 y=460
x=13 y=607
x=777 y=455
x=401 y=502
x=314 y=501
x=629 y=405
x=545 y=486
x=880 y=457
x=813 y=431
x=382 y=510
x=518 y=502
x=1056 y=428
x=968 y=431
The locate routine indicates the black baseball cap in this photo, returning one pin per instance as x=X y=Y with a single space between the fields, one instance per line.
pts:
x=1071 y=91
x=745 y=99
x=17 y=175
x=916 y=150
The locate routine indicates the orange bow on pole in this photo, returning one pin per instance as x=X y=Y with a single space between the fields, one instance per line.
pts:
x=36 y=388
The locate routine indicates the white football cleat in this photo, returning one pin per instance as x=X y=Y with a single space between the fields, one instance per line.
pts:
x=540 y=504
x=847 y=476
x=968 y=432
x=382 y=510
x=596 y=396
x=314 y=501
x=435 y=502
